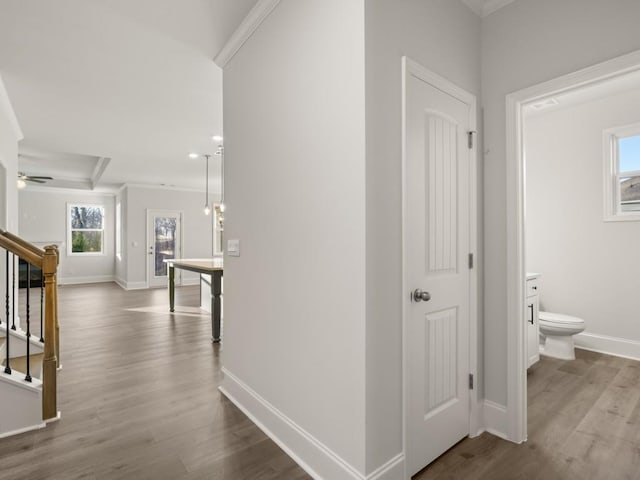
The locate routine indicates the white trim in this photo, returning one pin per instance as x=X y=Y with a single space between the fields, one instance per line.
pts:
x=164 y=187
x=5 y=105
x=495 y=419
x=483 y=8
x=180 y=216
x=23 y=430
x=391 y=470
x=70 y=252
x=515 y=103
x=69 y=191
x=131 y=285
x=247 y=27
x=611 y=173
x=619 y=347
x=101 y=166
x=410 y=67
x=315 y=458
x=85 y=280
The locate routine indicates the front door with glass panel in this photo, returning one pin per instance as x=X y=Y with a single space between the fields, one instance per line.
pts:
x=163 y=243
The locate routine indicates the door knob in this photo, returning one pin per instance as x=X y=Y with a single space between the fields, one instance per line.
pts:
x=419 y=296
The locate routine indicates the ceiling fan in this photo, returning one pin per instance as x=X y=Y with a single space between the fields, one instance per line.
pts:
x=31 y=178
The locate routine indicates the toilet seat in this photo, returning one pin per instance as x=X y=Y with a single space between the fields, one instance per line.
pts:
x=559 y=320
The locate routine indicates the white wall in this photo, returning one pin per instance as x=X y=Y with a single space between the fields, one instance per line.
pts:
x=295 y=179
x=121 y=262
x=443 y=36
x=589 y=267
x=10 y=135
x=196 y=229
x=43 y=219
x=523 y=44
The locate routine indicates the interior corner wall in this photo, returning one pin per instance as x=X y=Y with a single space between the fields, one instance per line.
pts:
x=295 y=193
x=523 y=44
x=9 y=166
x=442 y=36
x=588 y=266
x=43 y=220
x=121 y=274
x=196 y=228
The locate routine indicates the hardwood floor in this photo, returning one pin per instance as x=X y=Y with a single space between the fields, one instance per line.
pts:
x=584 y=423
x=139 y=399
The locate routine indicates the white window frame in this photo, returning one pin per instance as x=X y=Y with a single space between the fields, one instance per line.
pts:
x=118 y=230
x=612 y=211
x=70 y=230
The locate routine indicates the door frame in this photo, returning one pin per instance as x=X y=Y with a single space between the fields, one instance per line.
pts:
x=515 y=201
x=410 y=67
x=150 y=213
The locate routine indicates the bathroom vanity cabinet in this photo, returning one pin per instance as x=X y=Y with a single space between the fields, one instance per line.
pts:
x=531 y=317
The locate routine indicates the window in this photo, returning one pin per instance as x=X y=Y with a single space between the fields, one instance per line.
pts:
x=86 y=229
x=119 y=231
x=622 y=173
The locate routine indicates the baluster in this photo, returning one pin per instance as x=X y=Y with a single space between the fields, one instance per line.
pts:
x=41 y=307
x=13 y=293
x=28 y=376
x=7 y=366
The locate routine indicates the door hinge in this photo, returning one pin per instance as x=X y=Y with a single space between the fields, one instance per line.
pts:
x=470 y=260
x=471 y=381
x=470 y=139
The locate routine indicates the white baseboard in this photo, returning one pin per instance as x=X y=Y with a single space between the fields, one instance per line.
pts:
x=83 y=280
x=618 y=347
x=23 y=430
x=495 y=419
x=318 y=460
x=392 y=470
x=131 y=285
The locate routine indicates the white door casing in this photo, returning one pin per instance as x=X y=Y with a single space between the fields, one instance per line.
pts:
x=437 y=227
x=158 y=249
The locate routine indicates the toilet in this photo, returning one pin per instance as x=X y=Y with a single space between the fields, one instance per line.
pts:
x=558 y=330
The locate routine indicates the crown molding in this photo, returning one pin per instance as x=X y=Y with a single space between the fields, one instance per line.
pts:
x=483 y=8
x=247 y=27
x=5 y=106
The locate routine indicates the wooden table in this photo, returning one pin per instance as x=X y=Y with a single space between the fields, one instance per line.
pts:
x=208 y=266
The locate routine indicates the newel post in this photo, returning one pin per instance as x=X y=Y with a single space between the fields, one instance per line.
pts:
x=50 y=364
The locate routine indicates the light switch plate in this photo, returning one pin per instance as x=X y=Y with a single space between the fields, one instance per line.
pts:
x=233 y=248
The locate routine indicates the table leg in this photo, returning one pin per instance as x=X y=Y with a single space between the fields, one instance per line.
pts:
x=216 y=291
x=172 y=288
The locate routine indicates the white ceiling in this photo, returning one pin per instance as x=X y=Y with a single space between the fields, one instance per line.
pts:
x=486 y=7
x=133 y=81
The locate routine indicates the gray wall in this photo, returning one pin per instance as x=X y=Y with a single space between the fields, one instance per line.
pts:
x=196 y=228
x=43 y=219
x=589 y=267
x=295 y=172
x=443 y=36
x=523 y=44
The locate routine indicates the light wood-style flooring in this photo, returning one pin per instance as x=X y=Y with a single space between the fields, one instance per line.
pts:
x=584 y=424
x=139 y=398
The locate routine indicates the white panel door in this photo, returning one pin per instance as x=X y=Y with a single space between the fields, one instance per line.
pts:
x=163 y=243
x=436 y=256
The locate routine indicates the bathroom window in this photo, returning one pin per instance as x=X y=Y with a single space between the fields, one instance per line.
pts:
x=622 y=173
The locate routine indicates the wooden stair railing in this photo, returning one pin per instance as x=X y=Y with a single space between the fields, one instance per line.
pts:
x=47 y=260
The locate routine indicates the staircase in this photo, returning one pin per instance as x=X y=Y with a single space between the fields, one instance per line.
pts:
x=29 y=337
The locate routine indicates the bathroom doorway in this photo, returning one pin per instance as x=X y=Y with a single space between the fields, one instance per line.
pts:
x=519 y=106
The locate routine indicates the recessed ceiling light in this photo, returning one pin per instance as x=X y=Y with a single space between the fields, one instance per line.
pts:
x=193 y=155
x=217 y=138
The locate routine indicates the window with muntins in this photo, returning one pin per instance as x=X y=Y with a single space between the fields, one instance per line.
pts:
x=622 y=178
x=85 y=234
